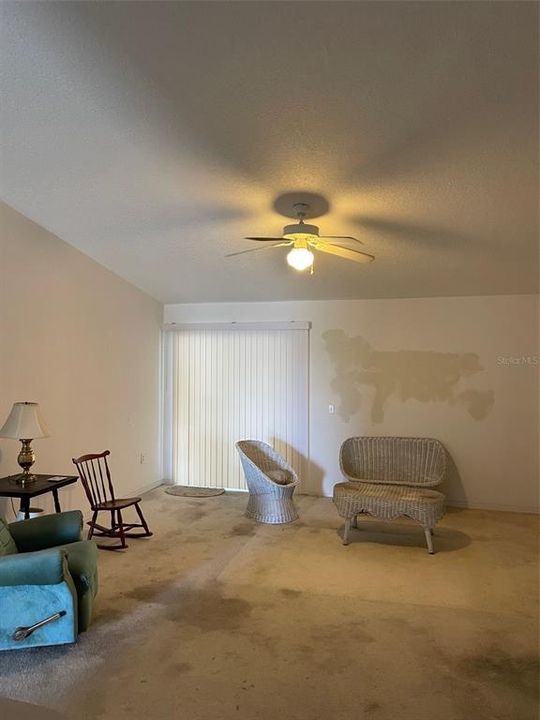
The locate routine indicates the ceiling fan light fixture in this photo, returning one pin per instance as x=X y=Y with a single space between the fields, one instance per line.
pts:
x=302 y=238
x=300 y=258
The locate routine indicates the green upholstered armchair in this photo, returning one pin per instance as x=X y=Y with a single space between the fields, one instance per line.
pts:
x=46 y=573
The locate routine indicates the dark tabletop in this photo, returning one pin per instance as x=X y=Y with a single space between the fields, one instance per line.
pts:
x=9 y=487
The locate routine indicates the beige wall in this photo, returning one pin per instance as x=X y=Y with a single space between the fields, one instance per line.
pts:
x=84 y=344
x=464 y=370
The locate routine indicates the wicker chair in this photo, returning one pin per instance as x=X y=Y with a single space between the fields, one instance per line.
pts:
x=271 y=482
x=389 y=477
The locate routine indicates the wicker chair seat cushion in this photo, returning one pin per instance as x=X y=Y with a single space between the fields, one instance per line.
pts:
x=388 y=502
x=281 y=477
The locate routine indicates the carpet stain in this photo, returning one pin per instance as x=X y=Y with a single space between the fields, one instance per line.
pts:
x=207 y=609
x=290 y=593
x=170 y=536
x=334 y=634
x=517 y=672
x=407 y=626
x=195 y=514
x=108 y=615
x=195 y=539
x=150 y=592
x=178 y=668
x=370 y=707
x=362 y=636
x=243 y=529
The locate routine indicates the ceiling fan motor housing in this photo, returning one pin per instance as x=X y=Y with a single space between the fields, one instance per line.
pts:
x=300 y=229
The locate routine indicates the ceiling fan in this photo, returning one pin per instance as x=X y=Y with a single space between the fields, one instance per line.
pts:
x=303 y=239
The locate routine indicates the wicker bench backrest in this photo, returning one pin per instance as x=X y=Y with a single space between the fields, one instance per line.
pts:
x=393 y=460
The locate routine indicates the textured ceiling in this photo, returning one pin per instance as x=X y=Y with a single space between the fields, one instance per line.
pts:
x=154 y=136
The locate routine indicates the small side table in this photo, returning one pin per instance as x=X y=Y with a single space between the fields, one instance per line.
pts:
x=9 y=487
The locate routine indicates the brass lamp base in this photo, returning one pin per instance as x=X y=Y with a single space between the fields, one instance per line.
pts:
x=25 y=479
x=26 y=459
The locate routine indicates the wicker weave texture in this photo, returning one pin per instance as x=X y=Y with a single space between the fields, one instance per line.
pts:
x=393 y=460
x=388 y=502
x=391 y=476
x=269 y=501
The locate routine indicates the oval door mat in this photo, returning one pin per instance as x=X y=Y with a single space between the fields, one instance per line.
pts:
x=188 y=491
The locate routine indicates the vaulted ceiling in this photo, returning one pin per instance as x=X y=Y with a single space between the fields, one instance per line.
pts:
x=154 y=136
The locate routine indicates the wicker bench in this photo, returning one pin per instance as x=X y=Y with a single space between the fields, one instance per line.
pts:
x=389 y=477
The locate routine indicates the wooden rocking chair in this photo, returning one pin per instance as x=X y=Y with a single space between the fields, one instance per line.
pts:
x=96 y=479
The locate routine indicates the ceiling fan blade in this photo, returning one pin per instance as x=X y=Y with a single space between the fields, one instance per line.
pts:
x=264 y=239
x=266 y=247
x=341 y=237
x=345 y=253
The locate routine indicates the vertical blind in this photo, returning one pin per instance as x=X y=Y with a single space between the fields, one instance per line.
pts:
x=230 y=383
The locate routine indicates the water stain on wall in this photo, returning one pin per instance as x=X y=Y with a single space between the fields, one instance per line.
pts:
x=420 y=375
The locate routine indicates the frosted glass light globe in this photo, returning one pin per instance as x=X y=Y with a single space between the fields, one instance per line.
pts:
x=300 y=258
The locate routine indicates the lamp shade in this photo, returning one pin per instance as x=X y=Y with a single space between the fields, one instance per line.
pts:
x=24 y=422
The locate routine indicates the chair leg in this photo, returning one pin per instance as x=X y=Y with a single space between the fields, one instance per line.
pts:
x=143 y=521
x=121 y=531
x=346 y=531
x=92 y=523
x=355 y=522
x=427 y=533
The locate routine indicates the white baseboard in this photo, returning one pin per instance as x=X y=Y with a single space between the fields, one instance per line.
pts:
x=465 y=504
x=474 y=505
x=150 y=486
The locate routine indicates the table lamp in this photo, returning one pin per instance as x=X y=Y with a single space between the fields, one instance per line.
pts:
x=25 y=423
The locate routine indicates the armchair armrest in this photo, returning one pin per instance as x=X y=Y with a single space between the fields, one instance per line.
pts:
x=47 y=531
x=46 y=567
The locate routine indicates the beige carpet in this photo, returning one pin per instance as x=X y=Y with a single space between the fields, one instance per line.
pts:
x=218 y=617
